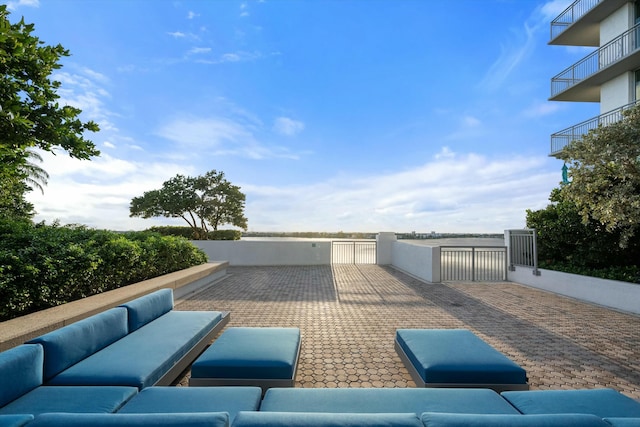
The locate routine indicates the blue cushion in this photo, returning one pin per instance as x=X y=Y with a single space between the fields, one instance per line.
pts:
x=15 y=420
x=264 y=353
x=141 y=358
x=623 y=422
x=132 y=420
x=20 y=370
x=385 y=400
x=318 y=419
x=499 y=420
x=70 y=344
x=603 y=402
x=149 y=307
x=70 y=399
x=194 y=399
x=457 y=356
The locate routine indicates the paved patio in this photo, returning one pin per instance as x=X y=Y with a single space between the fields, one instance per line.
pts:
x=348 y=315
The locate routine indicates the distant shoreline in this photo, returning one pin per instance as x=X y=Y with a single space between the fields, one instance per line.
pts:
x=366 y=235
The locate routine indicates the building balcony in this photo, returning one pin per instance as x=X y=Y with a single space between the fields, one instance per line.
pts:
x=579 y=24
x=581 y=82
x=561 y=139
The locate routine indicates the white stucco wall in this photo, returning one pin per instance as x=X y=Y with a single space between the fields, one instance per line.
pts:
x=616 y=23
x=252 y=253
x=619 y=295
x=420 y=261
x=616 y=92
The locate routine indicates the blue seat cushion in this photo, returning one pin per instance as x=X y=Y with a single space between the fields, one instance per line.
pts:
x=262 y=353
x=319 y=419
x=70 y=344
x=70 y=399
x=604 y=402
x=457 y=356
x=15 y=420
x=194 y=399
x=430 y=419
x=149 y=307
x=623 y=422
x=141 y=358
x=385 y=400
x=20 y=371
x=132 y=420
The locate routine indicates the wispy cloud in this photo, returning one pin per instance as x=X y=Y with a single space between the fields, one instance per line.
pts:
x=287 y=126
x=541 y=109
x=13 y=5
x=191 y=15
x=198 y=50
x=177 y=34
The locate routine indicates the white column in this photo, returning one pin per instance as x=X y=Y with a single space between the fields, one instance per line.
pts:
x=384 y=248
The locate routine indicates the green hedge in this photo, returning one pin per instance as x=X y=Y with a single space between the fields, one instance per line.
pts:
x=43 y=266
x=188 y=233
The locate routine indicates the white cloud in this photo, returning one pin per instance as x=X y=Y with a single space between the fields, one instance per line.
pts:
x=109 y=144
x=199 y=50
x=551 y=9
x=471 y=121
x=287 y=126
x=192 y=15
x=177 y=34
x=541 y=109
x=13 y=5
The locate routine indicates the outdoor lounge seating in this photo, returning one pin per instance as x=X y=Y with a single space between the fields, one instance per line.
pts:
x=141 y=343
x=456 y=358
x=264 y=357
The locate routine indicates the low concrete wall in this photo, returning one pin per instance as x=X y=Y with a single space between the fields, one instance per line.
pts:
x=420 y=261
x=264 y=253
x=610 y=293
x=16 y=331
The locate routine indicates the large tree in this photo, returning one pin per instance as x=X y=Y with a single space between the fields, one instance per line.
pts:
x=604 y=170
x=204 y=202
x=30 y=115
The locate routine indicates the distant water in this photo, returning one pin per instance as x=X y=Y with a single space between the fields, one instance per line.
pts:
x=472 y=241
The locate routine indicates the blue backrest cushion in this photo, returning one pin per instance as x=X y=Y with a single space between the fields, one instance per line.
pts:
x=70 y=344
x=202 y=419
x=324 y=419
x=15 y=420
x=432 y=419
x=149 y=307
x=20 y=371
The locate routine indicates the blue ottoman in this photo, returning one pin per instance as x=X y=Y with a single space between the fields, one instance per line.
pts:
x=263 y=357
x=456 y=358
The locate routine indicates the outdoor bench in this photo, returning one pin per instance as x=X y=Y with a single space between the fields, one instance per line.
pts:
x=456 y=358
x=22 y=391
x=219 y=419
x=141 y=343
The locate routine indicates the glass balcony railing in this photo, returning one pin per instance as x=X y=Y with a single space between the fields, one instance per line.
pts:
x=575 y=11
x=617 y=49
x=561 y=139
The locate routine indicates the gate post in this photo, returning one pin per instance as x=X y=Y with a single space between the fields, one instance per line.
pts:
x=384 y=247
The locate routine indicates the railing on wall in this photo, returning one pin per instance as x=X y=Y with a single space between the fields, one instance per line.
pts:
x=561 y=139
x=473 y=263
x=618 y=48
x=570 y=15
x=353 y=252
x=523 y=249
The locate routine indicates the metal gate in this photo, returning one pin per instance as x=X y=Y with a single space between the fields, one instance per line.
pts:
x=353 y=252
x=473 y=263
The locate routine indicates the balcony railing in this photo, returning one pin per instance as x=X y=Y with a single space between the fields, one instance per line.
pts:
x=575 y=11
x=617 y=49
x=561 y=139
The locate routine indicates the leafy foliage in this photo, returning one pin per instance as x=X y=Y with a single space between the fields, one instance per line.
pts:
x=567 y=243
x=188 y=233
x=43 y=266
x=604 y=167
x=202 y=201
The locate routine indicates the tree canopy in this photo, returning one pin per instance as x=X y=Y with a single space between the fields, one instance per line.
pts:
x=204 y=202
x=604 y=172
x=30 y=115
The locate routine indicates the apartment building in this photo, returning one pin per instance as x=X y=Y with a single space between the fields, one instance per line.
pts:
x=610 y=74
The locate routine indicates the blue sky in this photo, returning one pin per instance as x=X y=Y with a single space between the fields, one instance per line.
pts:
x=331 y=115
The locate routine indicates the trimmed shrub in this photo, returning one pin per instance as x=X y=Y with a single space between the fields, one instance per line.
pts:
x=189 y=233
x=42 y=266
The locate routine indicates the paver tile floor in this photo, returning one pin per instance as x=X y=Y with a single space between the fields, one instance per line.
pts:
x=348 y=315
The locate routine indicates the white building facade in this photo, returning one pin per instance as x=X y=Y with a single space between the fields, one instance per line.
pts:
x=610 y=74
